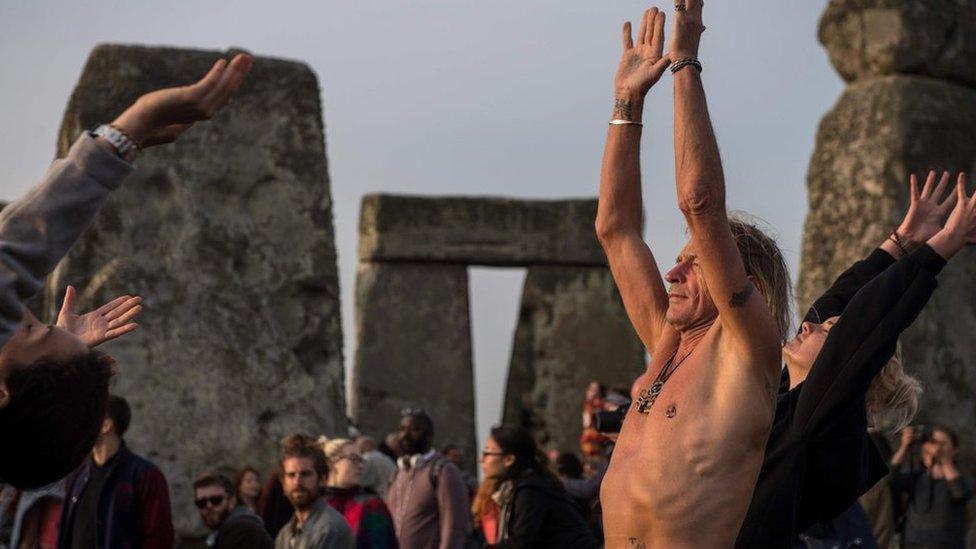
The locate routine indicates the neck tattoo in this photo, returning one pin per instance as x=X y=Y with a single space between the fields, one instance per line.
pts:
x=646 y=398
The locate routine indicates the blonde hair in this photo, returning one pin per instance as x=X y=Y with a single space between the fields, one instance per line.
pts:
x=892 y=399
x=332 y=448
x=764 y=262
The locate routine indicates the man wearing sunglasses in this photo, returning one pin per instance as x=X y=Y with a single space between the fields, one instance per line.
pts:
x=231 y=525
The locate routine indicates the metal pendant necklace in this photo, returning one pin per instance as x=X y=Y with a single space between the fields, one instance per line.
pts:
x=646 y=398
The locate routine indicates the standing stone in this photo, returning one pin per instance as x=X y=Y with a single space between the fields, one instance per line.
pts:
x=887 y=124
x=572 y=329
x=228 y=236
x=413 y=350
x=869 y=38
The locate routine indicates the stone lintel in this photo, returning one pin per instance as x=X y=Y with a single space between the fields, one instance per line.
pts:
x=481 y=231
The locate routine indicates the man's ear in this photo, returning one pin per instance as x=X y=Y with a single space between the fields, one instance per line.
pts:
x=107 y=426
x=4 y=393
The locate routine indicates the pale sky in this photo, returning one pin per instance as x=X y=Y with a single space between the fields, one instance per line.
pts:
x=459 y=97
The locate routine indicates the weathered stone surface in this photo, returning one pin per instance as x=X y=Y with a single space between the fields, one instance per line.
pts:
x=483 y=231
x=228 y=236
x=413 y=349
x=572 y=329
x=868 y=38
x=880 y=131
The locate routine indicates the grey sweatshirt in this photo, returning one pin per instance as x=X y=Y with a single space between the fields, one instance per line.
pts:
x=37 y=230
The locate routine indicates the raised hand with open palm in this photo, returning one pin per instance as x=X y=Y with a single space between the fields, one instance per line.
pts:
x=104 y=323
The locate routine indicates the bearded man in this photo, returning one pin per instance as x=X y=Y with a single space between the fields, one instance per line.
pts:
x=315 y=524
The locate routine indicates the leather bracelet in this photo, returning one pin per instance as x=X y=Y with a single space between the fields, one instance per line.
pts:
x=686 y=62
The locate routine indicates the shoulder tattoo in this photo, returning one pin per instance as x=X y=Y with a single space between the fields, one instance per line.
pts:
x=739 y=299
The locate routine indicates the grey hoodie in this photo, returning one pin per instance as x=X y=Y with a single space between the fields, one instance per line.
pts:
x=39 y=228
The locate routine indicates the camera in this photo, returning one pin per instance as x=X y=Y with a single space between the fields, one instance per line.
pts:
x=610 y=422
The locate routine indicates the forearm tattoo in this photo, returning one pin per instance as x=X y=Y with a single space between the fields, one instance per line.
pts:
x=637 y=544
x=623 y=109
x=739 y=298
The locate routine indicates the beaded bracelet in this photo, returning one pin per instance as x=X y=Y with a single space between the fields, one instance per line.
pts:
x=897 y=240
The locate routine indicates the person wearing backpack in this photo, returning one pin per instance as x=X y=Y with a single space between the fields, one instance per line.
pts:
x=428 y=497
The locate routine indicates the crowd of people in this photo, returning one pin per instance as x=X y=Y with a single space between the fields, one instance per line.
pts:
x=349 y=492
x=716 y=444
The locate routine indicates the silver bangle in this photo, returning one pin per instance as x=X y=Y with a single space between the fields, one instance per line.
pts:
x=622 y=122
x=124 y=145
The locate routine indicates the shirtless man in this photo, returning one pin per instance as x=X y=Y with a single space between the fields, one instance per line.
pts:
x=691 y=446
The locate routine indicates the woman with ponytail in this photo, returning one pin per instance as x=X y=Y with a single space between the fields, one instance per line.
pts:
x=535 y=511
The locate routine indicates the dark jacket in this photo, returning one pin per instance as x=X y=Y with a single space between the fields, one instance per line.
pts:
x=819 y=458
x=242 y=529
x=539 y=513
x=273 y=506
x=133 y=508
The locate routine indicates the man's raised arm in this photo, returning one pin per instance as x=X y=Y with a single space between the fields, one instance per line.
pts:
x=701 y=197
x=619 y=220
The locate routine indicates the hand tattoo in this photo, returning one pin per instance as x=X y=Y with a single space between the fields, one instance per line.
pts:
x=739 y=298
x=623 y=109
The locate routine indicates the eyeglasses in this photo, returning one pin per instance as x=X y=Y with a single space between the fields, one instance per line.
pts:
x=486 y=453
x=212 y=500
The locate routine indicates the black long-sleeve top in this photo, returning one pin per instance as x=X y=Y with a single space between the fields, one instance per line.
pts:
x=819 y=458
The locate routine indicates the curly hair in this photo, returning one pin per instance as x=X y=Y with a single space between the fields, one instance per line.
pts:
x=303 y=446
x=53 y=419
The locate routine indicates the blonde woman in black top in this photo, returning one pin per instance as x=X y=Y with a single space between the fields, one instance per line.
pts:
x=819 y=458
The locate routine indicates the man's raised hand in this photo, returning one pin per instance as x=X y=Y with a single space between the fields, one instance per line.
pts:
x=688 y=29
x=161 y=116
x=641 y=65
x=103 y=324
x=928 y=209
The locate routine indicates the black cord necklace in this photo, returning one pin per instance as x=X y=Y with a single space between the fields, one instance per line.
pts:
x=646 y=398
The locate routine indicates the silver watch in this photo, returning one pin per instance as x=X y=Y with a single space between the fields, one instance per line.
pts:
x=124 y=146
